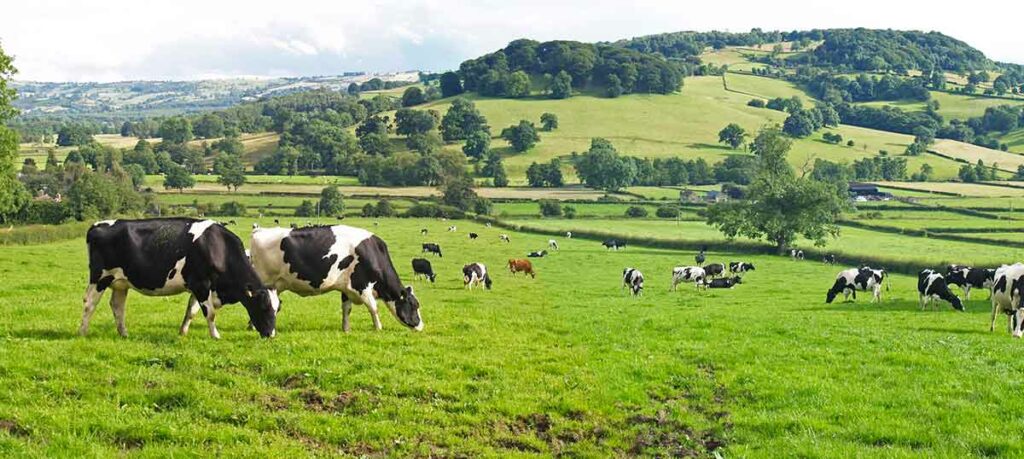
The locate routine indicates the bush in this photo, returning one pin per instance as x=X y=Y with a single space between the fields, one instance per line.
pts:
x=759 y=103
x=369 y=210
x=384 y=209
x=44 y=212
x=431 y=210
x=850 y=143
x=636 y=212
x=667 y=211
x=306 y=209
x=569 y=212
x=550 y=208
x=232 y=208
x=483 y=206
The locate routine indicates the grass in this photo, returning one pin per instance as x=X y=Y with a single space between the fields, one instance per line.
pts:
x=564 y=364
x=209 y=186
x=963 y=189
x=972 y=153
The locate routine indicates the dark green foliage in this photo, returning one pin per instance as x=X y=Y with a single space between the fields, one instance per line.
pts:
x=835 y=89
x=451 y=84
x=636 y=212
x=74 y=135
x=458 y=192
x=178 y=178
x=230 y=169
x=831 y=138
x=757 y=103
x=208 y=126
x=483 y=206
x=799 y=124
x=44 y=212
x=867 y=49
x=545 y=175
x=550 y=208
x=735 y=169
x=413 y=95
x=462 y=120
x=477 y=144
x=785 y=105
x=331 y=202
x=667 y=211
x=569 y=212
x=601 y=167
x=886 y=118
x=561 y=86
x=232 y=209
x=177 y=129
x=99 y=195
x=522 y=136
x=284 y=161
x=306 y=209
x=430 y=210
x=549 y=121
x=613 y=86
x=409 y=122
x=733 y=135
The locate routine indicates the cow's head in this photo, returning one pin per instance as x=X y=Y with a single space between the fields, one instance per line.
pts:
x=957 y=304
x=750 y=267
x=262 y=305
x=432 y=276
x=956 y=275
x=407 y=310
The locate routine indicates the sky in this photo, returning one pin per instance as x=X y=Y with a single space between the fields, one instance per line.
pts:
x=115 y=40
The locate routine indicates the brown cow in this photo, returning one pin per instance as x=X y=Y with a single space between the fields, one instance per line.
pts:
x=517 y=265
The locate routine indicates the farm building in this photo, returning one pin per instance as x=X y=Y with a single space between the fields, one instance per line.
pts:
x=867 y=192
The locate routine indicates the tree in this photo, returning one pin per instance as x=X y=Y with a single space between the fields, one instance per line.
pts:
x=353 y=89
x=331 y=202
x=230 y=169
x=176 y=129
x=13 y=195
x=306 y=209
x=178 y=178
x=458 y=192
x=208 y=126
x=550 y=208
x=413 y=95
x=451 y=85
x=73 y=135
x=636 y=212
x=522 y=136
x=798 y=124
x=477 y=144
x=548 y=121
x=410 y=122
x=601 y=167
x=614 y=87
x=561 y=86
x=375 y=144
x=462 y=120
x=733 y=135
x=545 y=175
x=517 y=85
x=780 y=205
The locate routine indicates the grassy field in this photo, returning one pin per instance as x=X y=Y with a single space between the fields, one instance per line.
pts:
x=208 y=185
x=564 y=364
x=962 y=189
x=1002 y=160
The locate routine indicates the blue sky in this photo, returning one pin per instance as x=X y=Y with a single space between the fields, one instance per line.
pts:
x=64 y=40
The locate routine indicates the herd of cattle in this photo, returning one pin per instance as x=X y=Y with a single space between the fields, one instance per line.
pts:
x=169 y=256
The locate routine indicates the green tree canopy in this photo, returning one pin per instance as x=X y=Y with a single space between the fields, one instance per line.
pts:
x=331 y=202
x=451 y=84
x=12 y=193
x=733 y=135
x=601 y=167
x=522 y=136
x=462 y=120
x=176 y=129
x=230 y=169
x=178 y=178
x=548 y=121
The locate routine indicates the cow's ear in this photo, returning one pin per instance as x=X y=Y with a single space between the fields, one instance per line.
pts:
x=408 y=290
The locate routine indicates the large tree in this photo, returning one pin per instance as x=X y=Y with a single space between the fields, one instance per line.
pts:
x=522 y=136
x=462 y=120
x=780 y=206
x=178 y=178
x=331 y=202
x=177 y=129
x=601 y=167
x=733 y=135
x=12 y=193
x=561 y=86
x=230 y=169
x=451 y=85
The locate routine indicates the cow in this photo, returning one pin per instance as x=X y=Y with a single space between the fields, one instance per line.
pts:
x=423 y=232
x=967 y=278
x=1008 y=297
x=850 y=280
x=473 y=235
x=520 y=265
x=699 y=258
x=539 y=254
x=552 y=244
x=421 y=267
x=633 y=279
x=277 y=222
x=321 y=259
x=796 y=254
x=475 y=273
x=451 y=229
x=488 y=224
x=255 y=225
x=432 y=248
x=931 y=286
x=740 y=267
x=568 y=234
x=614 y=244
x=682 y=274
x=168 y=256
x=725 y=282
x=829 y=259
x=504 y=237
x=714 y=270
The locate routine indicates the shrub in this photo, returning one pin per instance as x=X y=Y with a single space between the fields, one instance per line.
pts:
x=232 y=208
x=636 y=212
x=569 y=212
x=483 y=206
x=44 y=212
x=306 y=209
x=850 y=143
x=550 y=208
x=431 y=210
x=667 y=211
x=369 y=210
x=758 y=103
x=384 y=209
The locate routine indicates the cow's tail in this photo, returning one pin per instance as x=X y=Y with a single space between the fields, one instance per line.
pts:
x=888 y=280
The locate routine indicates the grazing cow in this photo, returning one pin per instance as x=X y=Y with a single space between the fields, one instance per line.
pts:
x=614 y=244
x=699 y=258
x=829 y=259
x=853 y=279
x=432 y=248
x=504 y=237
x=1008 y=297
x=421 y=267
x=540 y=254
x=451 y=229
x=931 y=286
x=681 y=274
x=725 y=282
x=714 y=270
x=168 y=256
x=796 y=254
x=488 y=224
x=473 y=235
x=255 y=225
x=740 y=266
x=277 y=222
x=568 y=234
x=967 y=278
x=552 y=244
x=633 y=279
x=475 y=273
x=423 y=232
x=521 y=265
x=321 y=259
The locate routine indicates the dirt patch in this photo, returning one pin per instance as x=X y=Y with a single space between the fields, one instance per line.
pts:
x=272 y=402
x=313 y=400
x=295 y=381
x=12 y=427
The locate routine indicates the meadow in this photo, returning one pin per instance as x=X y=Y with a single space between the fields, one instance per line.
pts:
x=564 y=364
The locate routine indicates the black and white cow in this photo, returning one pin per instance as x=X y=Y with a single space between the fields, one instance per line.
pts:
x=682 y=274
x=504 y=237
x=339 y=258
x=725 y=282
x=967 y=278
x=168 y=256
x=931 y=286
x=633 y=279
x=1008 y=297
x=432 y=248
x=699 y=258
x=423 y=232
x=829 y=259
x=539 y=254
x=796 y=254
x=614 y=244
x=740 y=266
x=714 y=270
x=473 y=235
x=552 y=244
x=451 y=229
x=421 y=267
x=475 y=274
x=850 y=280
x=568 y=234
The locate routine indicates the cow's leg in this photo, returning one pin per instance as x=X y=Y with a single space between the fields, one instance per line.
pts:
x=371 y=305
x=118 y=298
x=346 y=310
x=210 y=306
x=191 y=309
x=92 y=296
x=922 y=301
x=877 y=294
x=967 y=292
x=995 y=306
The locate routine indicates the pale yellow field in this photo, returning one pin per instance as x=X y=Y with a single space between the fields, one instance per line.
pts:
x=972 y=153
x=962 y=189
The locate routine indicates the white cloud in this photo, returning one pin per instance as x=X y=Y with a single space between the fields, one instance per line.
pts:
x=185 y=39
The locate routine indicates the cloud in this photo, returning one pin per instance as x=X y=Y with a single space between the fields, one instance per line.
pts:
x=189 y=39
